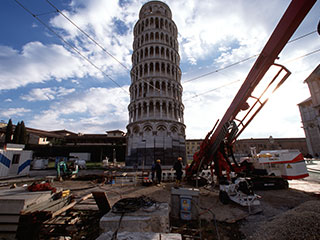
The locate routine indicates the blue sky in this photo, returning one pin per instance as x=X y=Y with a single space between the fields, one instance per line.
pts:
x=50 y=87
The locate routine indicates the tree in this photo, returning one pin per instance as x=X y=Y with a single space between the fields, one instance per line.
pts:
x=23 y=134
x=16 y=134
x=9 y=132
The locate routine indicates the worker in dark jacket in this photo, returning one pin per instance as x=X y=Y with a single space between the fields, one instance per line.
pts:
x=158 y=171
x=178 y=168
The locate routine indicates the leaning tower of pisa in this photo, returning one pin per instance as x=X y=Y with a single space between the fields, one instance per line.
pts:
x=156 y=127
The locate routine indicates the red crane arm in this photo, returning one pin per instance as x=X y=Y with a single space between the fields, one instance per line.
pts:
x=226 y=130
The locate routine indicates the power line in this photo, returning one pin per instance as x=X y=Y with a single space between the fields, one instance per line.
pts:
x=220 y=69
x=45 y=13
x=99 y=45
x=87 y=35
x=243 y=60
x=304 y=55
x=303 y=36
x=72 y=47
x=291 y=60
x=214 y=89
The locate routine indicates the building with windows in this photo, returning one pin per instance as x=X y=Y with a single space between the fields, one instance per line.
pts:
x=156 y=127
x=242 y=146
x=310 y=113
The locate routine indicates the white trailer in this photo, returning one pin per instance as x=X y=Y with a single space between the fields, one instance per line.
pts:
x=287 y=163
x=14 y=161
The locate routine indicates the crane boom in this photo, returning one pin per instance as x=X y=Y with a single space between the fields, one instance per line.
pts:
x=213 y=149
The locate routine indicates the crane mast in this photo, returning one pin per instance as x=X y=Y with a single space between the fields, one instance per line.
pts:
x=217 y=146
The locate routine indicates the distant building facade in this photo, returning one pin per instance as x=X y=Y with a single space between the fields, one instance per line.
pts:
x=310 y=113
x=111 y=145
x=192 y=146
x=242 y=146
x=156 y=127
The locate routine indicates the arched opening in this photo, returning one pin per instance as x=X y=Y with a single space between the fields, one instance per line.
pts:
x=162 y=51
x=151 y=68
x=146 y=52
x=145 y=69
x=163 y=68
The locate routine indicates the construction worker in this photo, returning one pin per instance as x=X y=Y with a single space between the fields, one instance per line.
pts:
x=178 y=168
x=158 y=171
x=152 y=171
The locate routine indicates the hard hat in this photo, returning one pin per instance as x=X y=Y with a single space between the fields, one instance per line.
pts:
x=158 y=160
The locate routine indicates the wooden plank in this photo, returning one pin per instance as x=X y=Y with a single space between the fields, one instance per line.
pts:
x=102 y=201
x=64 y=209
x=85 y=197
x=43 y=206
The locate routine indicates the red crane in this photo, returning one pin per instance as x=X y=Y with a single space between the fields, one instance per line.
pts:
x=217 y=147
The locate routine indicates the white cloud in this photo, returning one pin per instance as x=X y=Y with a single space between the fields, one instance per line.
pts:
x=8 y=100
x=98 y=19
x=97 y=110
x=207 y=26
x=37 y=63
x=46 y=94
x=10 y=112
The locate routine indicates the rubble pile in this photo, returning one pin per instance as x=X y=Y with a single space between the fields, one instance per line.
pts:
x=302 y=222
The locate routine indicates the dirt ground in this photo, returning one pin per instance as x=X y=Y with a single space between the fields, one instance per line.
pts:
x=218 y=221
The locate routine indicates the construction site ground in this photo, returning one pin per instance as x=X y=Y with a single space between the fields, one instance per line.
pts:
x=292 y=213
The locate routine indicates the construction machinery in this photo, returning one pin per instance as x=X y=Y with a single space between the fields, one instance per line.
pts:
x=216 y=151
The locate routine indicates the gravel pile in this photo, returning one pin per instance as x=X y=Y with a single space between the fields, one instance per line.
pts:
x=300 y=223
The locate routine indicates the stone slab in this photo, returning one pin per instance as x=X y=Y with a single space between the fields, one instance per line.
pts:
x=13 y=201
x=140 y=236
x=152 y=219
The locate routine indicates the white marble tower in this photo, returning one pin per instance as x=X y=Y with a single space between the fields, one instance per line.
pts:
x=156 y=127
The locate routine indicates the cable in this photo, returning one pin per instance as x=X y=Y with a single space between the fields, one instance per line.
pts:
x=243 y=60
x=302 y=56
x=197 y=95
x=72 y=47
x=87 y=35
x=98 y=44
x=305 y=35
x=45 y=13
x=220 y=69
x=115 y=233
x=127 y=205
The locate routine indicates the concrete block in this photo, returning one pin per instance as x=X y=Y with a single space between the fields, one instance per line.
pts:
x=152 y=219
x=190 y=193
x=140 y=236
